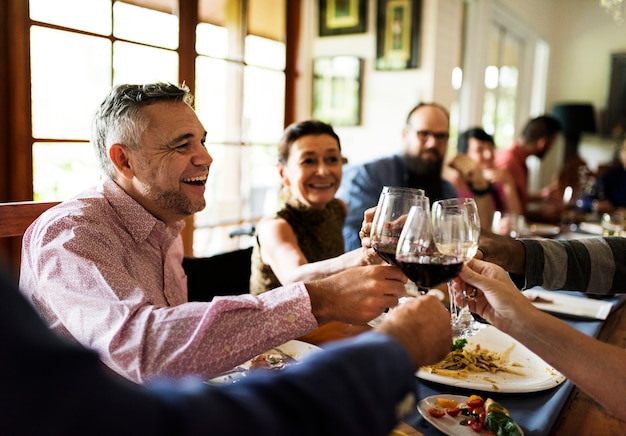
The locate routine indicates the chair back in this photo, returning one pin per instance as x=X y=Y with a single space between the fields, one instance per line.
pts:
x=222 y=274
x=15 y=217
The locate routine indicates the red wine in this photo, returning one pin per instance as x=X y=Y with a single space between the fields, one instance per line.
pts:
x=430 y=270
x=386 y=251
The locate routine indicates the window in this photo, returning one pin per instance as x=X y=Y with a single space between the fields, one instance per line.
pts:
x=501 y=84
x=233 y=58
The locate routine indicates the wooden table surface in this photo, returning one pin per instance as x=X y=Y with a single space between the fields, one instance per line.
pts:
x=583 y=416
x=580 y=414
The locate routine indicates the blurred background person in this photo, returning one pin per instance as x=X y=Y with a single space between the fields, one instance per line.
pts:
x=419 y=165
x=477 y=177
x=536 y=139
x=609 y=191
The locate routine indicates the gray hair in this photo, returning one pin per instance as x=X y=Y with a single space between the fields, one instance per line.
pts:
x=119 y=118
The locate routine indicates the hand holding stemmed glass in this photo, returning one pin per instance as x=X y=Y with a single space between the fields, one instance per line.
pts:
x=393 y=207
x=456 y=230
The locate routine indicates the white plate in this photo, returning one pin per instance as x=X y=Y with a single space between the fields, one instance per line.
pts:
x=580 y=307
x=592 y=228
x=538 y=375
x=298 y=350
x=539 y=229
x=447 y=424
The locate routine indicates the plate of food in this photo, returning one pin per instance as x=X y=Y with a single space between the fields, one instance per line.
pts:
x=492 y=361
x=562 y=304
x=289 y=353
x=458 y=415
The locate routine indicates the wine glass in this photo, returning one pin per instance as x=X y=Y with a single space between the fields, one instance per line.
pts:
x=456 y=229
x=418 y=256
x=393 y=206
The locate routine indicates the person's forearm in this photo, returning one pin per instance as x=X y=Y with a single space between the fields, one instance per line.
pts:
x=570 y=352
x=324 y=268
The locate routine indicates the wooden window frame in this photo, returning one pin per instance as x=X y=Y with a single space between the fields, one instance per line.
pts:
x=16 y=161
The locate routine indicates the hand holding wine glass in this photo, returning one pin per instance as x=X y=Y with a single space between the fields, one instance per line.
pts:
x=393 y=206
x=456 y=230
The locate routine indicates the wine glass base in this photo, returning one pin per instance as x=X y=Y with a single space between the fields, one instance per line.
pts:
x=462 y=320
x=465 y=325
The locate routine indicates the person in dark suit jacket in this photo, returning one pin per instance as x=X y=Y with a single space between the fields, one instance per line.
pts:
x=362 y=385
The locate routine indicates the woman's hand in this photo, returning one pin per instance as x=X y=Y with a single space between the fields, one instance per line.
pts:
x=493 y=294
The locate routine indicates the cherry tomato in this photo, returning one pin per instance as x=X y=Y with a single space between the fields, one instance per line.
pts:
x=477 y=426
x=475 y=401
x=478 y=410
x=453 y=411
x=482 y=417
x=436 y=412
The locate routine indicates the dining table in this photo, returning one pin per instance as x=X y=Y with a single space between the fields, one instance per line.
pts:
x=560 y=410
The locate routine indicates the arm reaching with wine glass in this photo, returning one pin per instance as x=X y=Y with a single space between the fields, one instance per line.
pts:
x=566 y=349
x=591 y=265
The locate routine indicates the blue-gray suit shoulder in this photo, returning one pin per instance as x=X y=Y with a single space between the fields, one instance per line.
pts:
x=361 y=185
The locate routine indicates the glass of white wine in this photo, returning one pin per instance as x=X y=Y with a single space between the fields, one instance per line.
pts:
x=456 y=230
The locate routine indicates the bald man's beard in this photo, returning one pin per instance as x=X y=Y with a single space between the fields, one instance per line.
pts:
x=425 y=173
x=422 y=166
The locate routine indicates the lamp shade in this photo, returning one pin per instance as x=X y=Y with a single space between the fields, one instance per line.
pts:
x=575 y=118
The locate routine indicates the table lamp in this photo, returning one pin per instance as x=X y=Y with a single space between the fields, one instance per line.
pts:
x=575 y=118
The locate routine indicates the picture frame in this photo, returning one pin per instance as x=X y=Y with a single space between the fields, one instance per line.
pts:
x=398 y=26
x=337 y=89
x=342 y=17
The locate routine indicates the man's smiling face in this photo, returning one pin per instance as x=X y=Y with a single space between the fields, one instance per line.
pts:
x=172 y=164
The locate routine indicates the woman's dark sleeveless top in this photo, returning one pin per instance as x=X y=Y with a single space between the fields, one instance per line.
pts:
x=318 y=233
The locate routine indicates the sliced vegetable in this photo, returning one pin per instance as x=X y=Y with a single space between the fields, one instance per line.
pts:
x=501 y=424
x=446 y=403
x=493 y=406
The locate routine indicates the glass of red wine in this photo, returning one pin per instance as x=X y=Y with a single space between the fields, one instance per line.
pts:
x=417 y=254
x=456 y=230
x=393 y=207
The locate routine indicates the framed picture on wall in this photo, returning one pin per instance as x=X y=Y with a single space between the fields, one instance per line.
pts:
x=398 y=34
x=337 y=90
x=342 y=17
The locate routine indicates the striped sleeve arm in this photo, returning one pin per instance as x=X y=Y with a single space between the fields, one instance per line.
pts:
x=589 y=265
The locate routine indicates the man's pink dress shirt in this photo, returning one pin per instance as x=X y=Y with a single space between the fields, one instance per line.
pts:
x=103 y=271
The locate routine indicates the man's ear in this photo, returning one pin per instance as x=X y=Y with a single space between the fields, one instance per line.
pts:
x=120 y=159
